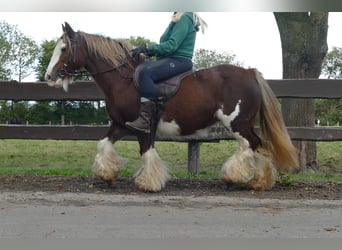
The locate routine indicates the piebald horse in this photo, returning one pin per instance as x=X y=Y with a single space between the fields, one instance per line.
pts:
x=225 y=93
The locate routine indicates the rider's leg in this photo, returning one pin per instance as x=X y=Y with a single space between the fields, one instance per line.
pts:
x=152 y=72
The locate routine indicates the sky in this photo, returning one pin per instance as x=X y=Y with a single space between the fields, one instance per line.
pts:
x=252 y=36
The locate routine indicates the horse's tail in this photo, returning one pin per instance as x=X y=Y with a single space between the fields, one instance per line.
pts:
x=274 y=133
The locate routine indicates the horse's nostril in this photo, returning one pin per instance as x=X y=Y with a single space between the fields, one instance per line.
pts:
x=47 y=77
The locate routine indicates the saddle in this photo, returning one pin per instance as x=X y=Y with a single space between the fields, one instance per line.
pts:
x=165 y=89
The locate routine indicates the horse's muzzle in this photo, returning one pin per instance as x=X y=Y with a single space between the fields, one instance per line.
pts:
x=60 y=74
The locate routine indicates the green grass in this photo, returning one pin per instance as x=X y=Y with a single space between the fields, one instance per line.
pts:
x=46 y=157
x=318 y=176
x=75 y=158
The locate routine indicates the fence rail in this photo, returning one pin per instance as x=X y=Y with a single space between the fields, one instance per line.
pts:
x=306 y=88
x=90 y=132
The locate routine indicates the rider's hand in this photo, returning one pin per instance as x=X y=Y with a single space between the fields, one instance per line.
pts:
x=139 y=50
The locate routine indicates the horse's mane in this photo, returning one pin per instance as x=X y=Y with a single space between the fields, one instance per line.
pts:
x=111 y=50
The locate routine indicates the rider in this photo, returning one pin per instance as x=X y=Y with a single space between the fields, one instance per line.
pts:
x=174 y=56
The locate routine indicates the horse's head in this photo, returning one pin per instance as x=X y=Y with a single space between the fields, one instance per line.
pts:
x=65 y=60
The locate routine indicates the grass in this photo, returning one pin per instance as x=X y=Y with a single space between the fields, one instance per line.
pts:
x=46 y=157
x=75 y=158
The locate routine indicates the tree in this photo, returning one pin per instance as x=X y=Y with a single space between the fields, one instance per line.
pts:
x=13 y=112
x=24 y=55
x=304 y=45
x=17 y=59
x=21 y=52
x=5 y=48
x=44 y=57
x=43 y=112
x=207 y=58
x=329 y=111
x=138 y=41
x=332 y=64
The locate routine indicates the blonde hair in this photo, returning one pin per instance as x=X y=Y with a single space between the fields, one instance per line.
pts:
x=114 y=51
x=200 y=22
x=197 y=20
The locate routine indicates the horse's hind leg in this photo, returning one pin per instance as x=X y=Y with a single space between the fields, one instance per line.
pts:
x=248 y=164
x=107 y=163
x=240 y=167
x=264 y=171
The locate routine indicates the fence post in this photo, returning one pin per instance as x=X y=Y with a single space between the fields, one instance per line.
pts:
x=193 y=157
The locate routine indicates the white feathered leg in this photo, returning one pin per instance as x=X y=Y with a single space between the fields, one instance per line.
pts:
x=254 y=168
x=107 y=163
x=265 y=173
x=240 y=167
x=152 y=175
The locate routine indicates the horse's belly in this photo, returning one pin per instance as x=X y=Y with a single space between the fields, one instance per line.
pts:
x=172 y=129
x=168 y=129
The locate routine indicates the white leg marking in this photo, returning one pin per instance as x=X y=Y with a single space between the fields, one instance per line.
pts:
x=265 y=174
x=107 y=163
x=227 y=119
x=254 y=168
x=153 y=173
x=240 y=167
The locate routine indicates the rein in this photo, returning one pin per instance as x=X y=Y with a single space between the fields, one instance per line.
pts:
x=63 y=72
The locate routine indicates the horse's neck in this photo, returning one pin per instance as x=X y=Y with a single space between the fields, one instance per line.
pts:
x=108 y=77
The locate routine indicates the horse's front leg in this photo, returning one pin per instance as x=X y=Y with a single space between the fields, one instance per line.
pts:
x=107 y=163
x=153 y=174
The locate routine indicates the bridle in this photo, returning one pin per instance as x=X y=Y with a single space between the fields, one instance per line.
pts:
x=76 y=73
x=83 y=73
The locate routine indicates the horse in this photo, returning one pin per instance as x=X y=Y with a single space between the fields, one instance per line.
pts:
x=231 y=95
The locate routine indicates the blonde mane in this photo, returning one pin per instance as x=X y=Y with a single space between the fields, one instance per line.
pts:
x=113 y=51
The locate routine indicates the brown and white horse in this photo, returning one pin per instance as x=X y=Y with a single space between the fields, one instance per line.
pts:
x=229 y=94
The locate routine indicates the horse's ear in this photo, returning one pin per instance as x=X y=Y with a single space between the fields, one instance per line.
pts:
x=68 y=30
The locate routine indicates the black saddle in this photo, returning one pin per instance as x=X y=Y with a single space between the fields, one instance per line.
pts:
x=165 y=89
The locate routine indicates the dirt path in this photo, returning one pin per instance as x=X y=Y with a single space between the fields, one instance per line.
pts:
x=179 y=187
x=33 y=206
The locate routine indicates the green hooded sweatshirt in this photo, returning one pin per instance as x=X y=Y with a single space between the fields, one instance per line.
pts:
x=178 y=39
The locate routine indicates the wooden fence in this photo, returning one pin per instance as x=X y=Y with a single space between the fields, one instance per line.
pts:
x=315 y=88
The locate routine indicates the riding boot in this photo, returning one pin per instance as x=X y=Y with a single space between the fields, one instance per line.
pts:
x=144 y=121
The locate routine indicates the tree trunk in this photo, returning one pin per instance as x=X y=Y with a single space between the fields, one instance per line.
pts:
x=304 y=45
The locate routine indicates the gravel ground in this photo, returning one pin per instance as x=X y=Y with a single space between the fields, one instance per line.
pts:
x=180 y=187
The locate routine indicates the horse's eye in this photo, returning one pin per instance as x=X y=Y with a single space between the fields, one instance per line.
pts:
x=63 y=49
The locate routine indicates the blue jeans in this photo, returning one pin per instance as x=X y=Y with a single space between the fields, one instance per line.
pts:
x=160 y=70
